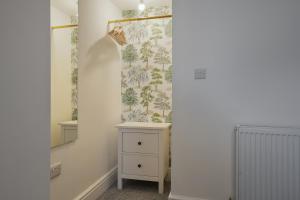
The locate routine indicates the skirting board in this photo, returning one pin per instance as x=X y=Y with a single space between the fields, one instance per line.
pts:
x=181 y=197
x=95 y=190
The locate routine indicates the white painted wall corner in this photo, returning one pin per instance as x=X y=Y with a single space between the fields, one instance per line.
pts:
x=168 y=177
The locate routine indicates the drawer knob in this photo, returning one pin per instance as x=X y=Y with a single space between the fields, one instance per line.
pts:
x=139 y=166
x=139 y=143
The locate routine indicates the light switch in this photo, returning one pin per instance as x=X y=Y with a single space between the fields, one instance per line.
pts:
x=200 y=73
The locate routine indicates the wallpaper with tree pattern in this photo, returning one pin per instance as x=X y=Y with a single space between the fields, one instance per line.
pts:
x=147 y=67
x=74 y=66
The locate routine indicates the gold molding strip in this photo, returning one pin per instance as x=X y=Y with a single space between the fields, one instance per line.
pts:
x=64 y=26
x=138 y=19
x=115 y=21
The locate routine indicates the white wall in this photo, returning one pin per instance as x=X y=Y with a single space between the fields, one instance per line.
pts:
x=61 y=85
x=95 y=151
x=251 y=51
x=25 y=99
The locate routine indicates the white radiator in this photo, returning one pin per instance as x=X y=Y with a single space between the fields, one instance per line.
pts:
x=267 y=163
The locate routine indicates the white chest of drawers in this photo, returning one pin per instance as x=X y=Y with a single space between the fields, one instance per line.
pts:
x=143 y=152
x=69 y=131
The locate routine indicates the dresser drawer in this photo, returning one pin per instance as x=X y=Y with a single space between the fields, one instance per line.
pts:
x=140 y=165
x=70 y=134
x=140 y=143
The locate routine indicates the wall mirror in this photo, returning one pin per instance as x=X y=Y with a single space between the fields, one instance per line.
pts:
x=64 y=72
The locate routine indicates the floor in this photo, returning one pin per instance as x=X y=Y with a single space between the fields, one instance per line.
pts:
x=136 y=190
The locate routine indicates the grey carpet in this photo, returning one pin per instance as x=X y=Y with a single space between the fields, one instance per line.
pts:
x=136 y=190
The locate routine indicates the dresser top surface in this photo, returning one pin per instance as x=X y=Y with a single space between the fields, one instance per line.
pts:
x=144 y=125
x=69 y=123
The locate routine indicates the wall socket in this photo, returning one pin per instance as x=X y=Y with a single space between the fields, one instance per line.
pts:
x=55 y=170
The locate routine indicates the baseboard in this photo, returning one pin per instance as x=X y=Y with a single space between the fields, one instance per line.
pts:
x=182 y=197
x=95 y=190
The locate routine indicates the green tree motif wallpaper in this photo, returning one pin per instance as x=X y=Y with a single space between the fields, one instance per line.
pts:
x=74 y=66
x=147 y=67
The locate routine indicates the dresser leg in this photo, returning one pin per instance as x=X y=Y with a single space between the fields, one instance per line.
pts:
x=120 y=183
x=161 y=187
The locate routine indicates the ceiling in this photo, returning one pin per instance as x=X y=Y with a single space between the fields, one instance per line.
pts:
x=67 y=6
x=70 y=6
x=133 y=4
